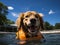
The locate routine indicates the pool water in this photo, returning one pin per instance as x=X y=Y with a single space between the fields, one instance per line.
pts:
x=9 y=39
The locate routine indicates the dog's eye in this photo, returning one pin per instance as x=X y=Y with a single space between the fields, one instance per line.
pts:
x=27 y=16
x=36 y=16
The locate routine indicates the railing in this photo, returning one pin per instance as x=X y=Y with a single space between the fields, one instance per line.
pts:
x=8 y=28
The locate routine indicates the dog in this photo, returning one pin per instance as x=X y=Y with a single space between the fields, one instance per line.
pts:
x=29 y=25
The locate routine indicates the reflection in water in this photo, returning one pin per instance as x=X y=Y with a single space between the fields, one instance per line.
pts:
x=9 y=39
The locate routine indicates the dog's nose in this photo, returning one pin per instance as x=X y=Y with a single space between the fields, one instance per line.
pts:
x=33 y=21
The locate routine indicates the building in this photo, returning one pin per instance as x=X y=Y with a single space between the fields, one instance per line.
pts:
x=8 y=28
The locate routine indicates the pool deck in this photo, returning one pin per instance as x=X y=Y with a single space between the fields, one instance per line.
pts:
x=50 y=31
x=54 y=31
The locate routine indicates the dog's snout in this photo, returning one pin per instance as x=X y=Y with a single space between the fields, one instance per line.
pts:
x=33 y=21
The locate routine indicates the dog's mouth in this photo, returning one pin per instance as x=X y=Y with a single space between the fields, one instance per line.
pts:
x=32 y=28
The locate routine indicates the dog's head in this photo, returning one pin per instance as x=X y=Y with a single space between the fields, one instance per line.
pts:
x=30 y=21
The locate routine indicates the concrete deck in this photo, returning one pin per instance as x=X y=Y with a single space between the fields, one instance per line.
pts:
x=51 y=31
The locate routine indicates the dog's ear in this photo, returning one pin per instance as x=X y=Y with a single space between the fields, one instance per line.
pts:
x=19 y=20
x=41 y=21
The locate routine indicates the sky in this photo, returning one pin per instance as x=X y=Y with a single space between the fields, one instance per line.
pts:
x=49 y=8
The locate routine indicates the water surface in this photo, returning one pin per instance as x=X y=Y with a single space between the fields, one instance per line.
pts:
x=9 y=39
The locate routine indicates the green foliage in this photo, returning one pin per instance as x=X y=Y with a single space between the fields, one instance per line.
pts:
x=9 y=21
x=51 y=27
x=57 y=26
x=3 y=9
x=3 y=13
x=48 y=26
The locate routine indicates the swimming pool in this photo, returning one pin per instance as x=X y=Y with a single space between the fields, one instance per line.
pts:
x=51 y=39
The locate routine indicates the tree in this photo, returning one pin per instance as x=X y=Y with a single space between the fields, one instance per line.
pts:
x=9 y=21
x=57 y=26
x=3 y=13
x=51 y=27
x=48 y=26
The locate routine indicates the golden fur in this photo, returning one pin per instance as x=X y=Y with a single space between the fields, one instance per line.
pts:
x=21 y=33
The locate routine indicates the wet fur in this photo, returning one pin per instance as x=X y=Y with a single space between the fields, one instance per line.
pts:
x=22 y=28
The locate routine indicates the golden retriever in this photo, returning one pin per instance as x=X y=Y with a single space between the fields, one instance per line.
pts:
x=29 y=25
